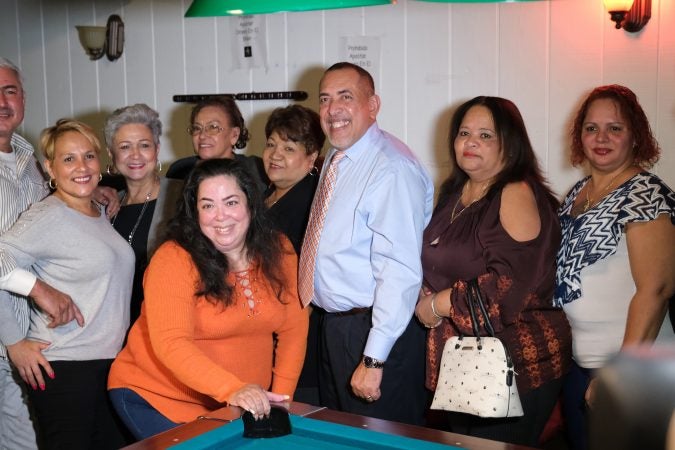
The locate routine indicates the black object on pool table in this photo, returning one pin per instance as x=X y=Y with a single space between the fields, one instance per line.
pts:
x=277 y=424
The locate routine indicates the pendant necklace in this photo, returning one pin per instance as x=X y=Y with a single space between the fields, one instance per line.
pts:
x=140 y=216
x=276 y=196
x=271 y=202
x=454 y=215
x=589 y=201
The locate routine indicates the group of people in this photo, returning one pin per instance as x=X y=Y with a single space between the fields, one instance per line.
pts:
x=261 y=280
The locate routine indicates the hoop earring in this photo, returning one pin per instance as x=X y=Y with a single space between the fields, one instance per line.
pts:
x=159 y=166
x=110 y=169
x=314 y=171
x=100 y=176
x=52 y=184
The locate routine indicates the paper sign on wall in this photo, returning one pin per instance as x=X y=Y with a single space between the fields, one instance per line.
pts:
x=363 y=51
x=248 y=40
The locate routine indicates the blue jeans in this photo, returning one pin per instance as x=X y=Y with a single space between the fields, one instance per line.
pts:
x=138 y=415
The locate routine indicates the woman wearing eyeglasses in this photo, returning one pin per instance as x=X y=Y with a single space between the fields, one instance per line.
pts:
x=217 y=128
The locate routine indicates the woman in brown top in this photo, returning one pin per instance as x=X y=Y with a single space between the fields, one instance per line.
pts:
x=496 y=222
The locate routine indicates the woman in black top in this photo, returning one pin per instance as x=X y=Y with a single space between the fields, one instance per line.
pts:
x=294 y=142
x=147 y=201
x=217 y=128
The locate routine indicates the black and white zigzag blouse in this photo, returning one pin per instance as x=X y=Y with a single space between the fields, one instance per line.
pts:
x=594 y=234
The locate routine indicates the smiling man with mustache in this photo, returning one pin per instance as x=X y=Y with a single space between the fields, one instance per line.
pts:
x=362 y=262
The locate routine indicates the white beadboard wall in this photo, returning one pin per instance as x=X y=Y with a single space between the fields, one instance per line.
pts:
x=543 y=55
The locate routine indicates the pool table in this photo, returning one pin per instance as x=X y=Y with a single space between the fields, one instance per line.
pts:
x=313 y=427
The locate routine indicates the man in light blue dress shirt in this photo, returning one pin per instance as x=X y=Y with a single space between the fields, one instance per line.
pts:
x=368 y=273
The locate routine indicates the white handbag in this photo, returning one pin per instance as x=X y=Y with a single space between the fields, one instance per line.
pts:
x=476 y=372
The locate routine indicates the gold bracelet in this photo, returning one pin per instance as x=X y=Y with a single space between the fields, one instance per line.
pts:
x=433 y=307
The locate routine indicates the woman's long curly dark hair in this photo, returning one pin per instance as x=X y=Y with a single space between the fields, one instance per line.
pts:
x=520 y=161
x=263 y=245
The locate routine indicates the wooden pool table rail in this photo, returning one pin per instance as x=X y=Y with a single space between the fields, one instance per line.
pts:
x=229 y=414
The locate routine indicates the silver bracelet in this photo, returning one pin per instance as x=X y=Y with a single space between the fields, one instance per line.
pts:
x=433 y=307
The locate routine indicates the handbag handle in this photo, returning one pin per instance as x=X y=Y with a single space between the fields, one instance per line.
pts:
x=473 y=291
x=474 y=296
x=470 y=302
x=474 y=320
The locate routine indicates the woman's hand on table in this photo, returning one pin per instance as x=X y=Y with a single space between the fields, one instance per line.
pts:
x=255 y=400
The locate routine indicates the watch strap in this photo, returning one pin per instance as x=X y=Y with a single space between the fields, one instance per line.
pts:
x=372 y=363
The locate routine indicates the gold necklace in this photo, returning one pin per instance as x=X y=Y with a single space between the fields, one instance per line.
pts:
x=454 y=216
x=589 y=201
x=276 y=196
x=272 y=199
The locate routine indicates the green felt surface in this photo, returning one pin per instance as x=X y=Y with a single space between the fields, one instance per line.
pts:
x=307 y=434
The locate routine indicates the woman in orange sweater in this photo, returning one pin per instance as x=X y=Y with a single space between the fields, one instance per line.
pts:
x=217 y=293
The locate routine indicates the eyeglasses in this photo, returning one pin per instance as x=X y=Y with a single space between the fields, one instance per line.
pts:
x=211 y=129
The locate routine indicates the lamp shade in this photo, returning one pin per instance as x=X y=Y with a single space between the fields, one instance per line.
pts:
x=92 y=39
x=618 y=5
x=210 y=8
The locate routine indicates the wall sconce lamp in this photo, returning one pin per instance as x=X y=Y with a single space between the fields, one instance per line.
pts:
x=108 y=40
x=632 y=15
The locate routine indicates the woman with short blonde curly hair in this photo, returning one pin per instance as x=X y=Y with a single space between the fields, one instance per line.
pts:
x=66 y=246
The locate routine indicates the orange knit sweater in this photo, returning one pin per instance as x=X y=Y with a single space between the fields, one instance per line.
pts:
x=185 y=356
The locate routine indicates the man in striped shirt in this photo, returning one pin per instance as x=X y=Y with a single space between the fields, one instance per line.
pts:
x=21 y=184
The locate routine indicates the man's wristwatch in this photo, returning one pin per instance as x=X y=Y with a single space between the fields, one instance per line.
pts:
x=372 y=363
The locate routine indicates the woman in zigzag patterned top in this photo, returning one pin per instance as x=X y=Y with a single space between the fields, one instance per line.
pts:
x=615 y=264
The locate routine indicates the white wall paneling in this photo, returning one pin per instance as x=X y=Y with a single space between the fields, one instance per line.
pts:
x=543 y=55
x=664 y=119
